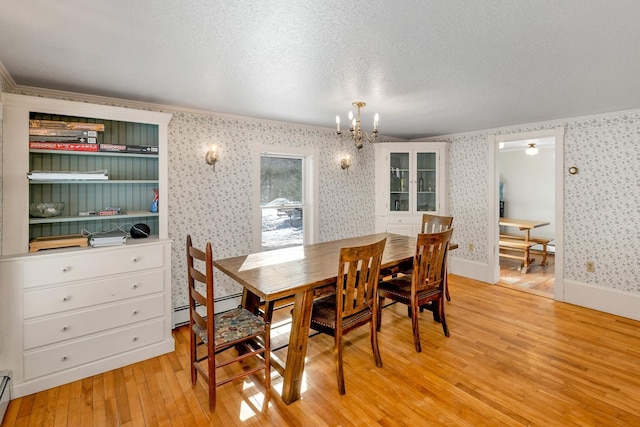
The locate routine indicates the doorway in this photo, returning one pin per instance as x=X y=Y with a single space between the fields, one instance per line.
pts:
x=523 y=199
x=526 y=191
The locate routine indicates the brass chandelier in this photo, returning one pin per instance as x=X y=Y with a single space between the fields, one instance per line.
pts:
x=355 y=131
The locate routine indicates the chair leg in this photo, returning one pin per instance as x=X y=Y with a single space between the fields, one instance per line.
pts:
x=374 y=343
x=379 y=310
x=339 y=370
x=442 y=317
x=211 y=366
x=193 y=355
x=267 y=357
x=414 y=325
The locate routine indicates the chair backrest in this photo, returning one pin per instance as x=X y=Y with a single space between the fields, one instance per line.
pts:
x=435 y=223
x=200 y=278
x=359 y=268
x=429 y=260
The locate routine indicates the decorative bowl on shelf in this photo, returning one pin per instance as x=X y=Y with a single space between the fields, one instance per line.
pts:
x=46 y=210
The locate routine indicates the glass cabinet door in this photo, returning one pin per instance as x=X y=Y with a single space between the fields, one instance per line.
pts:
x=425 y=189
x=399 y=182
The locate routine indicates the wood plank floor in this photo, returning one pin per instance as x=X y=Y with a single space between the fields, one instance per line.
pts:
x=538 y=280
x=512 y=359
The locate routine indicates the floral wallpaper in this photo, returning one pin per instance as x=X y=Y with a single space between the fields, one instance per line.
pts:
x=601 y=202
x=217 y=205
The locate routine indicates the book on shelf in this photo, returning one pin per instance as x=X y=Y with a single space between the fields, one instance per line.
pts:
x=62 y=146
x=136 y=149
x=99 y=175
x=49 y=138
x=56 y=124
x=62 y=132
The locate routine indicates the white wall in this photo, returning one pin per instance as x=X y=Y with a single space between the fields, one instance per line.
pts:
x=529 y=187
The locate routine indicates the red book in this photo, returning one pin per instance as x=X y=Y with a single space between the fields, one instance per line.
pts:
x=62 y=146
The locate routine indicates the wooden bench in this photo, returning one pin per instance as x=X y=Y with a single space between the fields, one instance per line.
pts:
x=509 y=239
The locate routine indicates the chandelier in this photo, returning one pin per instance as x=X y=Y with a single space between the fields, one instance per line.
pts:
x=355 y=131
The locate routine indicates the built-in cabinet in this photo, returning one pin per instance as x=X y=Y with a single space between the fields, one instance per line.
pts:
x=69 y=313
x=411 y=179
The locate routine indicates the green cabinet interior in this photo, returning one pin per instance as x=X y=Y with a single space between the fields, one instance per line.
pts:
x=132 y=179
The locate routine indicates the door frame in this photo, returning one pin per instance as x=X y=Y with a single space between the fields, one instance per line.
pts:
x=309 y=192
x=493 y=141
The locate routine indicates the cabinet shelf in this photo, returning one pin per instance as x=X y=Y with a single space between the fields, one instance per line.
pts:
x=58 y=219
x=105 y=181
x=96 y=153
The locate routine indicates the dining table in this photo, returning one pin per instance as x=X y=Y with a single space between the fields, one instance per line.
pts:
x=525 y=225
x=302 y=272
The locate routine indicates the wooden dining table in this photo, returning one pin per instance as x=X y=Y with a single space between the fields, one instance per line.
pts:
x=302 y=272
x=525 y=225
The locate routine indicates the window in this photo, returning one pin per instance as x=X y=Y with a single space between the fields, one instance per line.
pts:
x=281 y=201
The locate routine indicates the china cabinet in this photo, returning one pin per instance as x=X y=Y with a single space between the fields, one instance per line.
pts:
x=71 y=312
x=411 y=179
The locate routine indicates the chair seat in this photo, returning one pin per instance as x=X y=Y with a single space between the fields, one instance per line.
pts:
x=232 y=325
x=400 y=289
x=324 y=314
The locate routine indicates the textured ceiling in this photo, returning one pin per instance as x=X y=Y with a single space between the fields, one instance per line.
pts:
x=428 y=67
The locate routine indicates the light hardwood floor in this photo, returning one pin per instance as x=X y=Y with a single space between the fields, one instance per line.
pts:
x=513 y=359
x=538 y=280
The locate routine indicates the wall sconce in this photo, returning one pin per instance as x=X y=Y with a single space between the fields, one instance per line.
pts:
x=212 y=156
x=345 y=162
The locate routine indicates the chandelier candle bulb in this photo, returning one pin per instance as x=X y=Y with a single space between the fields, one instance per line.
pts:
x=338 y=124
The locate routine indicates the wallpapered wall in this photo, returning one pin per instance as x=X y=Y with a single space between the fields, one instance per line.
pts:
x=601 y=202
x=217 y=206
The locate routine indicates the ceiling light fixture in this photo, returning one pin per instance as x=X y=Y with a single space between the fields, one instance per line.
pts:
x=355 y=131
x=532 y=150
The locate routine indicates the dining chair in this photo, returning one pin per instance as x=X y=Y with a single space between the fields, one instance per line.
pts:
x=218 y=332
x=436 y=224
x=426 y=282
x=354 y=303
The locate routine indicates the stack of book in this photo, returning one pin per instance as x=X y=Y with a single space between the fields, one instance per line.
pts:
x=65 y=136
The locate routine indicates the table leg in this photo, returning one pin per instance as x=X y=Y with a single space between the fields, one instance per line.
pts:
x=527 y=260
x=250 y=301
x=297 y=351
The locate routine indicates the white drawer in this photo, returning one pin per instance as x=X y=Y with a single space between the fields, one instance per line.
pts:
x=40 y=302
x=59 y=328
x=88 y=264
x=91 y=348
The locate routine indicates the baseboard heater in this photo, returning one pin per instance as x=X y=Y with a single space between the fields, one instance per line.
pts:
x=5 y=392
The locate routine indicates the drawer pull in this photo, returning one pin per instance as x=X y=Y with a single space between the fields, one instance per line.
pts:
x=64 y=358
x=134 y=286
x=66 y=299
x=134 y=260
x=134 y=312
x=64 y=329
x=134 y=339
x=66 y=269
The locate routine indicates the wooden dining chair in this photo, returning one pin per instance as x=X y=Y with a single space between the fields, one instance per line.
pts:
x=426 y=282
x=216 y=333
x=354 y=303
x=436 y=224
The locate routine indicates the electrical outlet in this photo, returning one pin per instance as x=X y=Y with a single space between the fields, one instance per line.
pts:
x=471 y=247
x=591 y=268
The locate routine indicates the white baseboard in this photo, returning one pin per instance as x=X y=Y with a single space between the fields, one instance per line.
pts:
x=471 y=269
x=613 y=301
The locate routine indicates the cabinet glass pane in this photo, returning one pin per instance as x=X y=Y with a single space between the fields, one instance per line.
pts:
x=426 y=182
x=399 y=182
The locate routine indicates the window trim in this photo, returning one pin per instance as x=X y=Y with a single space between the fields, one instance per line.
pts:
x=309 y=158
